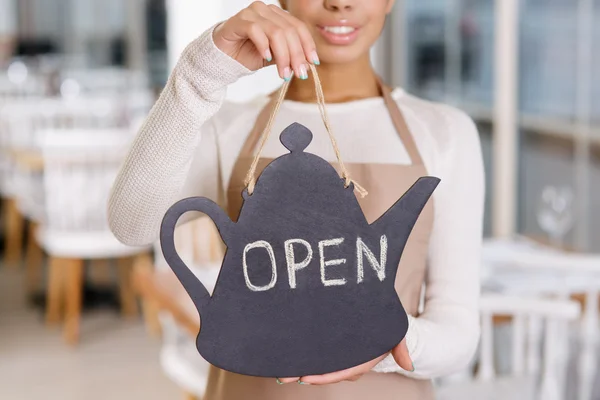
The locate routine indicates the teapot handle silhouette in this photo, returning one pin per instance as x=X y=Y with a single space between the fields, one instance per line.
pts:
x=197 y=291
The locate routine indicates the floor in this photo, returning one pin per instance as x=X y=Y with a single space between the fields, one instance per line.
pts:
x=115 y=360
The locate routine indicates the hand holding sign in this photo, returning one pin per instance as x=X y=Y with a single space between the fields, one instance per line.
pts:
x=353 y=374
x=261 y=34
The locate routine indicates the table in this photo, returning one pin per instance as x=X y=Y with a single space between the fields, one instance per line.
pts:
x=31 y=160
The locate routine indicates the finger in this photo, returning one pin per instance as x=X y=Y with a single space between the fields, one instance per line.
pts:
x=343 y=375
x=308 y=43
x=247 y=26
x=260 y=40
x=279 y=47
x=276 y=34
x=283 y=381
x=328 y=379
x=298 y=59
x=400 y=354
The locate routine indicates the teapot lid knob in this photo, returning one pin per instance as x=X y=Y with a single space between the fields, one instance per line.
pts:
x=296 y=137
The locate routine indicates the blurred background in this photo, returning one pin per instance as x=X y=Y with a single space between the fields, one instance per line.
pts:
x=82 y=316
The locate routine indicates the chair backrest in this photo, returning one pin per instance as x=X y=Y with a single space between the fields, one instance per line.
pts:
x=106 y=80
x=538 y=333
x=80 y=167
x=10 y=91
x=24 y=119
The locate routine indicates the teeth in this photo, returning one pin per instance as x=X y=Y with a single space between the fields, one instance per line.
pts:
x=339 y=30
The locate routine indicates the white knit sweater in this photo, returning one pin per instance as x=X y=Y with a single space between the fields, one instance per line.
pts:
x=175 y=155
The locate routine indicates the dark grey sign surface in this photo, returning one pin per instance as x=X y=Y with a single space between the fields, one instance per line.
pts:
x=307 y=284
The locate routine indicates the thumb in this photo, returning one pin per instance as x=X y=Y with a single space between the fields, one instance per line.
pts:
x=400 y=354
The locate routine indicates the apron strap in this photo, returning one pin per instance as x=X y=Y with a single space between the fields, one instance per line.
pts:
x=400 y=124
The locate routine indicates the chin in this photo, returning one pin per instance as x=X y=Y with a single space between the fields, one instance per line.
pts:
x=340 y=54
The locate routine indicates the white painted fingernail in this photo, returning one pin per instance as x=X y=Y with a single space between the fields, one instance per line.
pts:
x=287 y=74
x=315 y=58
x=303 y=72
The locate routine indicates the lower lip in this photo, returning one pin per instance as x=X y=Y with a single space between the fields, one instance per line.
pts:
x=338 y=39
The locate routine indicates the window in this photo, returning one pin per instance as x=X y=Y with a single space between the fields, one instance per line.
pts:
x=449 y=47
x=449 y=56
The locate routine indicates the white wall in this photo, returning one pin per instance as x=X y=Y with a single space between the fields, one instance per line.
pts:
x=187 y=19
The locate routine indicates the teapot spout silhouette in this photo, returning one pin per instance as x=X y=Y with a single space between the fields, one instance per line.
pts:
x=398 y=221
x=307 y=284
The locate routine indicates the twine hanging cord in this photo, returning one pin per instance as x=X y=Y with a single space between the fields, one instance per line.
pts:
x=250 y=180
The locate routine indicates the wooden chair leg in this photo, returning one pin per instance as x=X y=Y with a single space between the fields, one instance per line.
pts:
x=55 y=290
x=34 y=259
x=127 y=295
x=150 y=311
x=73 y=294
x=143 y=266
x=217 y=250
x=100 y=272
x=189 y=396
x=14 y=233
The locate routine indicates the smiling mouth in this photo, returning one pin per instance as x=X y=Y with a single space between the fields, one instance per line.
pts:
x=339 y=30
x=339 y=34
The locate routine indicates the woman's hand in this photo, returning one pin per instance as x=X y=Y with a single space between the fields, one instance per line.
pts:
x=261 y=34
x=350 y=374
x=400 y=354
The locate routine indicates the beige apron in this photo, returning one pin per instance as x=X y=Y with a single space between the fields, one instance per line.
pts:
x=378 y=179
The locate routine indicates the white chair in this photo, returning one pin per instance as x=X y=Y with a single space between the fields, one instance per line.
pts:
x=16 y=85
x=22 y=125
x=14 y=180
x=179 y=357
x=79 y=169
x=536 y=365
x=24 y=120
x=521 y=266
x=23 y=87
x=180 y=360
x=199 y=245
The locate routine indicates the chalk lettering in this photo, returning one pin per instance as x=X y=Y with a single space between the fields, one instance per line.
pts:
x=322 y=245
x=292 y=265
x=265 y=245
x=378 y=266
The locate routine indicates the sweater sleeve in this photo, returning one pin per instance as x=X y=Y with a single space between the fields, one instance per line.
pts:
x=154 y=172
x=443 y=338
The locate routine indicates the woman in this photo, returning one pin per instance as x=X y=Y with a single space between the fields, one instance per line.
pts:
x=194 y=144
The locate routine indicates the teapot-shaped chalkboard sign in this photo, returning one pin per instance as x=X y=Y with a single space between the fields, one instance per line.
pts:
x=307 y=284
